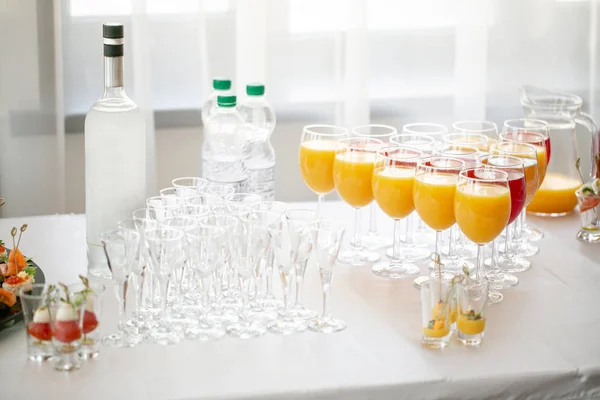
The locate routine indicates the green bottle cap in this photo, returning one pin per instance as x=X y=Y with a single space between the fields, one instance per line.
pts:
x=221 y=84
x=226 y=101
x=255 y=89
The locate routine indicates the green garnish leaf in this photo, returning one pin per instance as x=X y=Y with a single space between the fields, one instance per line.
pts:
x=30 y=270
x=588 y=190
x=430 y=324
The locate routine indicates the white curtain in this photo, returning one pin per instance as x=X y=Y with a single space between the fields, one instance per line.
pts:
x=346 y=62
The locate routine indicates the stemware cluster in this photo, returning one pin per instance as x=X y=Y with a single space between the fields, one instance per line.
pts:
x=200 y=260
x=472 y=183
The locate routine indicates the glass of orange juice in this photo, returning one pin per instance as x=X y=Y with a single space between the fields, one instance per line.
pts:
x=372 y=240
x=482 y=207
x=317 y=153
x=418 y=237
x=433 y=194
x=393 y=178
x=353 y=175
x=511 y=261
x=534 y=132
x=514 y=167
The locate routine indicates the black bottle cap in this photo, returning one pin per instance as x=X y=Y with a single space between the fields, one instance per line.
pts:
x=112 y=30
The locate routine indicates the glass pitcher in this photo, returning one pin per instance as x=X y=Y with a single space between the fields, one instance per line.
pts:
x=556 y=197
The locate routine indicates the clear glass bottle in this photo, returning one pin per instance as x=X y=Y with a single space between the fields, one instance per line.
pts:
x=221 y=87
x=260 y=155
x=223 y=147
x=115 y=154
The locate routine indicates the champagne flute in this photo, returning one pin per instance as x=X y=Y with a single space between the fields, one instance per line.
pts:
x=317 y=154
x=352 y=175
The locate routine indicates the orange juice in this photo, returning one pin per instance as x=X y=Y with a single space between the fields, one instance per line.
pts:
x=433 y=195
x=470 y=326
x=392 y=189
x=531 y=178
x=352 y=174
x=316 y=164
x=482 y=211
x=542 y=163
x=556 y=195
x=470 y=140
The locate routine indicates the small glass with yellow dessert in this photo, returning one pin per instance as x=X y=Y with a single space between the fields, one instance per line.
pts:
x=436 y=311
x=472 y=302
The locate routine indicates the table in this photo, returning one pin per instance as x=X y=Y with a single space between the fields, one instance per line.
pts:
x=542 y=341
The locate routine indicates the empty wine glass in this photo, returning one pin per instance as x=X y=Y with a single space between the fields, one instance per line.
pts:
x=206 y=251
x=286 y=252
x=165 y=249
x=219 y=190
x=161 y=208
x=142 y=273
x=327 y=236
x=299 y=222
x=121 y=247
x=373 y=240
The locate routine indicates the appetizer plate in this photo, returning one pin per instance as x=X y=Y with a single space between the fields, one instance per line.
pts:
x=16 y=313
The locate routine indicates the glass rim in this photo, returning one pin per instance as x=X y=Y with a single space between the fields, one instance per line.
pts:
x=519 y=123
x=514 y=143
x=341 y=144
x=491 y=126
x=447 y=138
x=393 y=147
x=423 y=136
x=162 y=204
x=393 y=131
x=256 y=206
x=442 y=128
x=189 y=200
x=421 y=164
x=23 y=294
x=205 y=182
x=549 y=101
x=464 y=172
x=459 y=147
x=516 y=160
x=312 y=129
x=145 y=210
x=504 y=137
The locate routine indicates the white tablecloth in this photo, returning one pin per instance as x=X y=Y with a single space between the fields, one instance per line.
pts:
x=542 y=341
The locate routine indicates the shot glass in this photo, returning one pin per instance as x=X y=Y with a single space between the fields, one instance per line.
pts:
x=436 y=309
x=90 y=295
x=37 y=321
x=472 y=303
x=66 y=322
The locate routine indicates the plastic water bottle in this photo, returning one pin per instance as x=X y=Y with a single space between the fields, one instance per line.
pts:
x=221 y=87
x=260 y=155
x=223 y=148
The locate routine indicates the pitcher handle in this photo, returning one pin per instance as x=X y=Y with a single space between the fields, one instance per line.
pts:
x=586 y=120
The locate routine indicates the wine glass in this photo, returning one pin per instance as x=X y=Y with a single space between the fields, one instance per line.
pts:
x=161 y=208
x=142 y=273
x=433 y=193
x=269 y=301
x=299 y=222
x=482 y=206
x=352 y=175
x=514 y=167
x=121 y=247
x=218 y=190
x=510 y=261
x=458 y=245
x=372 y=240
x=418 y=238
x=285 y=249
x=165 y=250
x=317 y=153
x=393 y=179
x=327 y=237
x=243 y=198
x=534 y=132
x=206 y=245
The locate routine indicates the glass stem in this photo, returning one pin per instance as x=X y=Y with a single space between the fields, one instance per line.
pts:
x=397 y=240
x=410 y=230
x=285 y=285
x=509 y=238
x=299 y=280
x=519 y=227
x=140 y=290
x=373 y=219
x=479 y=268
x=355 y=242
x=122 y=292
x=164 y=291
x=452 y=238
x=269 y=273
x=524 y=221
x=320 y=199
x=438 y=244
x=326 y=313
x=205 y=294
x=245 y=286
x=494 y=260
